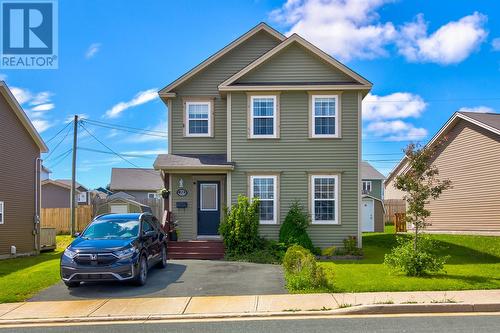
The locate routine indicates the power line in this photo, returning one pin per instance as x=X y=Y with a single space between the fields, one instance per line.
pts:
x=126 y=128
x=107 y=152
x=62 y=129
x=114 y=152
x=63 y=157
x=58 y=144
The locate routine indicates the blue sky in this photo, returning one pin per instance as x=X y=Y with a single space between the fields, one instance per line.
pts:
x=426 y=59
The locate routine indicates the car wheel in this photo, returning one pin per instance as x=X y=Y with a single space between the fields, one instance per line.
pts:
x=142 y=274
x=163 y=261
x=72 y=284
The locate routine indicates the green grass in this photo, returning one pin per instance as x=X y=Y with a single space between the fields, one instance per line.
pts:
x=474 y=264
x=21 y=278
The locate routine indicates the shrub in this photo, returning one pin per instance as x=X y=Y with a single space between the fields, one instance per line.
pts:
x=239 y=229
x=328 y=252
x=293 y=230
x=350 y=247
x=302 y=271
x=267 y=252
x=415 y=263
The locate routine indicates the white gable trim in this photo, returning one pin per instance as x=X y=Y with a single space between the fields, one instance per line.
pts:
x=18 y=110
x=362 y=82
x=166 y=92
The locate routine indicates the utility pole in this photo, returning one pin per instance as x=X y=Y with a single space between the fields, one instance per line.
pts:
x=73 y=177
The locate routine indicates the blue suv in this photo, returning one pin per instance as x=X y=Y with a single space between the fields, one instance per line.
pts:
x=115 y=247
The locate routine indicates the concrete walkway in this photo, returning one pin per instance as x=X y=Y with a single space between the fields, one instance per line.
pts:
x=254 y=305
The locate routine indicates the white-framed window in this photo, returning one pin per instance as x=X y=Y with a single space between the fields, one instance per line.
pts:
x=263 y=110
x=265 y=188
x=324 y=199
x=209 y=197
x=367 y=186
x=325 y=120
x=2 y=215
x=152 y=195
x=199 y=118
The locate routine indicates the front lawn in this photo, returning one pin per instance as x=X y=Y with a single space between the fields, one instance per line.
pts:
x=474 y=264
x=21 y=278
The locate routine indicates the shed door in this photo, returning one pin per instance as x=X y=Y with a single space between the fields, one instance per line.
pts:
x=367 y=212
x=119 y=209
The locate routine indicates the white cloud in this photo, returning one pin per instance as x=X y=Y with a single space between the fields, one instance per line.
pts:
x=41 y=125
x=350 y=29
x=495 y=43
x=478 y=109
x=160 y=134
x=146 y=152
x=393 y=106
x=22 y=95
x=92 y=50
x=43 y=107
x=141 y=97
x=396 y=130
x=450 y=44
x=71 y=117
x=41 y=98
x=345 y=28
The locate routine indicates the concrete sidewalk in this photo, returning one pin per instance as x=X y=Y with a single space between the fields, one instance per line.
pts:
x=249 y=306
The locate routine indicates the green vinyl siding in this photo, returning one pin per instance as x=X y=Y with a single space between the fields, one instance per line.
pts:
x=204 y=84
x=185 y=217
x=295 y=156
x=376 y=188
x=294 y=64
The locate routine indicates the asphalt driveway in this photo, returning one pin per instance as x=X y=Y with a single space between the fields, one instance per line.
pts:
x=183 y=278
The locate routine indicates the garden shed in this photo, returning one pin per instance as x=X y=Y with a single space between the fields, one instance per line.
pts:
x=122 y=206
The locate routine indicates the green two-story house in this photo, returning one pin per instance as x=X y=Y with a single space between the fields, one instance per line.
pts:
x=267 y=116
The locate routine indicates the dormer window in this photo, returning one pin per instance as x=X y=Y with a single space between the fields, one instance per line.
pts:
x=198 y=118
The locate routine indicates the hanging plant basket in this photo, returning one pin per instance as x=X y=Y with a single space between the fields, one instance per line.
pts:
x=164 y=193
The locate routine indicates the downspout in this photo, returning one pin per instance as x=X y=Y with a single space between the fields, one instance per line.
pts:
x=36 y=222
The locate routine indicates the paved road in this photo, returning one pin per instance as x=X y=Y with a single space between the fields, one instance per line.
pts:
x=447 y=324
x=183 y=278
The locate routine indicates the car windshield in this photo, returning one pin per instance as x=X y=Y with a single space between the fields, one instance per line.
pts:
x=112 y=229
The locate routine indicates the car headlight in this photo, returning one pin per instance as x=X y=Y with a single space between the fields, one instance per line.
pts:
x=127 y=253
x=69 y=253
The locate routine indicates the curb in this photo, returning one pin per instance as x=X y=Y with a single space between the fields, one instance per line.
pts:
x=377 y=309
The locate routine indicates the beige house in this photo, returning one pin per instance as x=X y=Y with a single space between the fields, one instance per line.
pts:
x=20 y=167
x=470 y=158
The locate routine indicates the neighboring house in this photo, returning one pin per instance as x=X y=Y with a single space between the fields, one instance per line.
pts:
x=470 y=158
x=140 y=184
x=57 y=194
x=104 y=191
x=45 y=173
x=20 y=168
x=122 y=206
x=372 y=207
x=271 y=117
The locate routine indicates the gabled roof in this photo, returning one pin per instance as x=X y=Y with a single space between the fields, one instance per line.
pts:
x=369 y=172
x=135 y=179
x=488 y=121
x=68 y=182
x=23 y=118
x=166 y=92
x=361 y=82
x=59 y=184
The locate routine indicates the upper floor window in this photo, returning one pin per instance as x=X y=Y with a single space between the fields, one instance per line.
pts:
x=324 y=122
x=367 y=186
x=265 y=188
x=263 y=117
x=1 y=212
x=324 y=199
x=199 y=118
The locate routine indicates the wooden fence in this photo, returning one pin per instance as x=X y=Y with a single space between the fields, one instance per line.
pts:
x=60 y=218
x=47 y=239
x=392 y=207
x=400 y=222
x=156 y=205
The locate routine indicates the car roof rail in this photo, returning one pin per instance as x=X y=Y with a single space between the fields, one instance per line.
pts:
x=100 y=215
x=144 y=213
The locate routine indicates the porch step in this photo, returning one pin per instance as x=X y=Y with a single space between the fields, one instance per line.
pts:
x=206 y=249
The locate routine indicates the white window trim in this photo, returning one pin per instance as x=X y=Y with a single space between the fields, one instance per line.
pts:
x=313 y=120
x=336 y=198
x=209 y=120
x=275 y=125
x=2 y=211
x=275 y=200
x=155 y=195
x=216 y=198
x=367 y=182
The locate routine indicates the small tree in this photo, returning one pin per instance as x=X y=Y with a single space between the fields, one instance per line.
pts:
x=421 y=184
x=294 y=227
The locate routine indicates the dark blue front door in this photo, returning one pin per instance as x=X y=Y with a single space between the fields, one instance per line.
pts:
x=208 y=208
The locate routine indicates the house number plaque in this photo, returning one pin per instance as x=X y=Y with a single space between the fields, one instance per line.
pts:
x=182 y=192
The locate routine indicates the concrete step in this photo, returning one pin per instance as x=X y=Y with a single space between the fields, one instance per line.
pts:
x=203 y=249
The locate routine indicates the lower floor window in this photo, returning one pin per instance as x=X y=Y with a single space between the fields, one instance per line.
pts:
x=264 y=188
x=324 y=199
x=1 y=212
